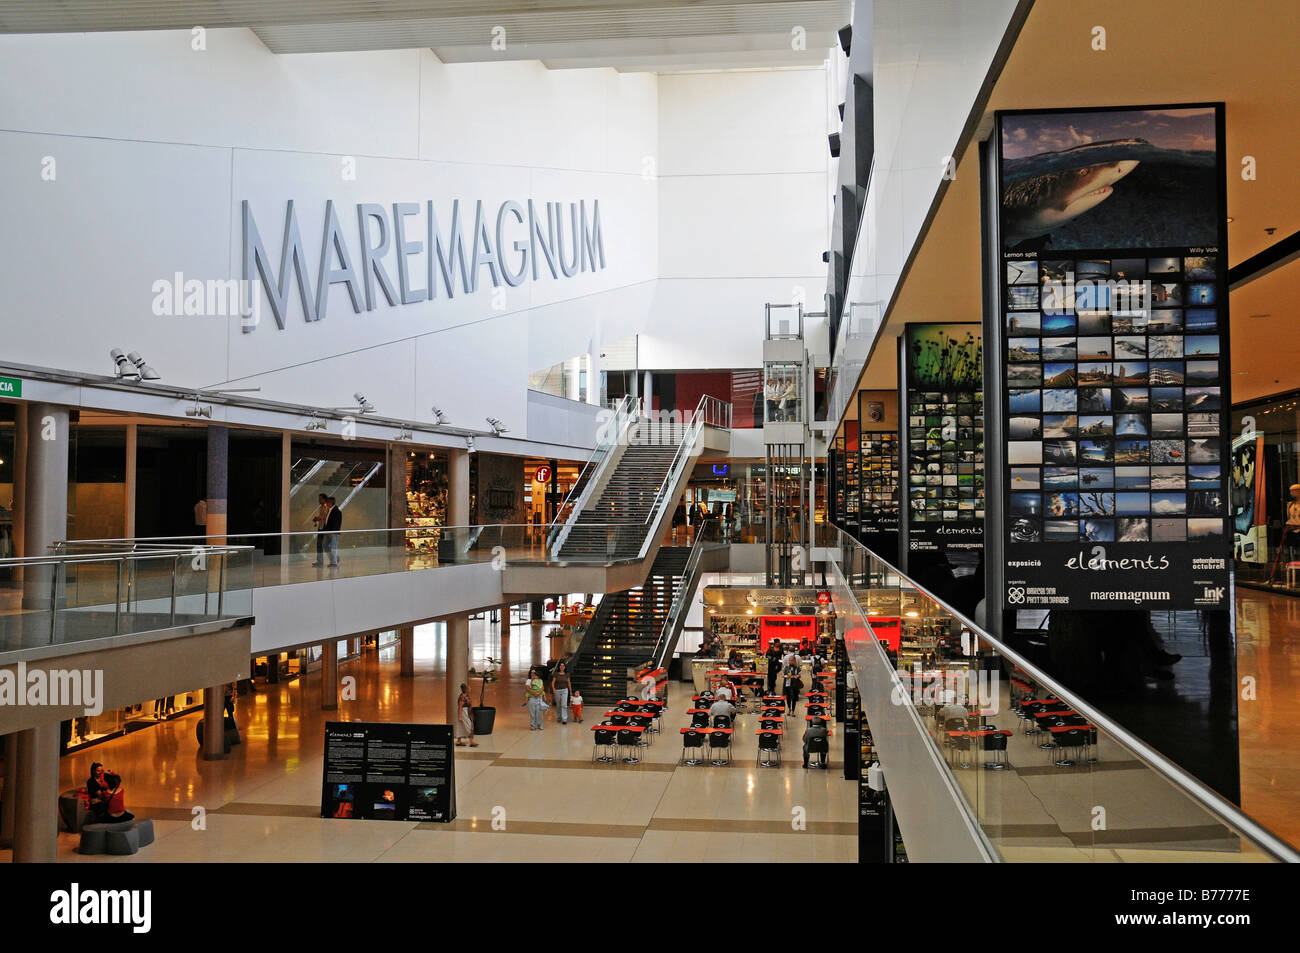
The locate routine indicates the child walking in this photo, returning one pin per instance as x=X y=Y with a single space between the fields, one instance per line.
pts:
x=576 y=701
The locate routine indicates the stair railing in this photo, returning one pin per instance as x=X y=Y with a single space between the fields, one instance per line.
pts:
x=676 y=617
x=608 y=437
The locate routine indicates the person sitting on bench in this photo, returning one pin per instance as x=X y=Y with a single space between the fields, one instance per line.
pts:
x=107 y=800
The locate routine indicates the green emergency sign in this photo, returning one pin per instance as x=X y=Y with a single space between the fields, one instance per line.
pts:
x=11 y=387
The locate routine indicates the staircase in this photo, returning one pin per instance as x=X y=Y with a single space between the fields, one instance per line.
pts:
x=615 y=525
x=626 y=628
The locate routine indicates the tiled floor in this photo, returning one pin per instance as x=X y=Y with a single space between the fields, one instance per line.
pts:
x=521 y=795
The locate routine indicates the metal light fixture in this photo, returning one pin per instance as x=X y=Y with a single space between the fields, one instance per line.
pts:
x=365 y=406
x=199 y=410
x=132 y=366
x=497 y=427
x=469 y=443
x=315 y=423
x=438 y=415
x=405 y=434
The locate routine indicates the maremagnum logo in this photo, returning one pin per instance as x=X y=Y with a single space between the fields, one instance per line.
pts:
x=53 y=688
x=512 y=243
x=75 y=906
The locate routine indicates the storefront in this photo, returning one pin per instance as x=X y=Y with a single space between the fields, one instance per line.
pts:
x=1265 y=488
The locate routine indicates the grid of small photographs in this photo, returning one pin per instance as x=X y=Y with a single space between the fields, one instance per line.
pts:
x=945 y=453
x=879 y=455
x=1114 y=410
x=852 y=478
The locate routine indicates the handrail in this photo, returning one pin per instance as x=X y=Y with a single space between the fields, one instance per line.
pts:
x=624 y=410
x=1210 y=800
x=680 y=599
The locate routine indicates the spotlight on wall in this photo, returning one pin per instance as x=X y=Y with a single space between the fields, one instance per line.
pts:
x=364 y=405
x=132 y=366
x=199 y=410
x=845 y=34
x=841 y=108
x=469 y=443
x=497 y=427
x=834 y=139
x=438 y=415
x=315 y=423
x=405 y=434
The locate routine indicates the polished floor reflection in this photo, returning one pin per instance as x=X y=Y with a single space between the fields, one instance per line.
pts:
x=522 y=796
x=1268 y=709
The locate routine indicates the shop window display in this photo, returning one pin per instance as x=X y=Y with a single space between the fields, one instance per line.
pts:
x=1265 y=498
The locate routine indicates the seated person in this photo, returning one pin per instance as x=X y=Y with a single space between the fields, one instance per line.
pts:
x=722 y=706
x=951 y=709
x=733 y=660
x=724 y=691
x=107 y=800
x=816 y=729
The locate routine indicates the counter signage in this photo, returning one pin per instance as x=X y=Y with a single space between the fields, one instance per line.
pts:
x=390 y=772
x=945 y=438
x=1114 y=349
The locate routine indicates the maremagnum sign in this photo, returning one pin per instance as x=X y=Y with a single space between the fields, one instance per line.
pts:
x=511 y=242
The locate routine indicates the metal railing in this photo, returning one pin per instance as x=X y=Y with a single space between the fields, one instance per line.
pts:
x=93 y=590
x=1154 y=777
x=681 y=600
x=608 y=437
x=783 y=331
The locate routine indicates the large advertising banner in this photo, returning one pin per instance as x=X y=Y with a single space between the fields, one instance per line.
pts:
x=1115 y=356
x=1249 y=519
x=388 y=772
x=879 y=467
x=945 y=438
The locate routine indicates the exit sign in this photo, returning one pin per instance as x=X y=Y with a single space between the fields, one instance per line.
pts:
x=11 y=387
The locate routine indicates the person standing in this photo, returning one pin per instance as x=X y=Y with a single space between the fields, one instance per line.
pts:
x=201 y=518
x=773 y=656
x=561 y=685
x=465 y=719
x=322 y=511
x=679 y=520
x=333 y=523
x=793 y=686
x=534 y=692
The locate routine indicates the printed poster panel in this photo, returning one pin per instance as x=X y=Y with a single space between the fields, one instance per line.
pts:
x=1115 y=355
x=945 y=438
x=388 y=772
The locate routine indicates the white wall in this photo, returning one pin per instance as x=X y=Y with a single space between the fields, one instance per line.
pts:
x=929 y=61
x=742 y=211
x=711 y=190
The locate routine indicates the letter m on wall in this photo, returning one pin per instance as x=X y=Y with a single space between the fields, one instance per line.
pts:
x=258 y=266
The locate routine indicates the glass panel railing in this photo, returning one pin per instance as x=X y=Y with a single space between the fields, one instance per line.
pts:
x=608 y=435
x=97 y=591
x=1046 y=775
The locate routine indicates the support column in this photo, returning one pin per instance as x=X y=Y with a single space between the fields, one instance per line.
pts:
x=407 y=634
x=7 y=805
x=218 y=481
x=132 y=444
x=286 y=483
x=35 y=783
x=505 y=621
x=45 y=506
x=457 y=661
x=20 y=484
x=329 y=675
x=457 y=488
x=214 y=722
x=594 y=395
x=647 y=393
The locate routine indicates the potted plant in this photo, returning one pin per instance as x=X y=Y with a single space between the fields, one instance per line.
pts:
x=485 y=716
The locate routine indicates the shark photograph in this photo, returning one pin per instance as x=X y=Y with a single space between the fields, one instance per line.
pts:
x=1109 y=178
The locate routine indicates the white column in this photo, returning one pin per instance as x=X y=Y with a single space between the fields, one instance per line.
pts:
x=132 y=443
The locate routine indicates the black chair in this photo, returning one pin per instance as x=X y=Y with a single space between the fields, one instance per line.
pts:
x=997 y=743
x=960 y=744
x=606 y=741
x=822 y=748
x=1067 y=741
x=629 y=739
x=721 y=721
x=767 y=743
x=720 y=741
x=620 y=719
x=700 y=719
x=770 y=724
x=819 y=710
x=692 y=739
x=641 y=721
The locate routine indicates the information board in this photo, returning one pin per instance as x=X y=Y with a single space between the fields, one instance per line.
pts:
x=394 y=772
x=1114 y=352
x=945 y=438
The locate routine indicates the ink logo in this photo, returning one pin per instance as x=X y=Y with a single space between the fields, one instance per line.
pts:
x=75 y=906
x=1015 y=595
x=1210 y=596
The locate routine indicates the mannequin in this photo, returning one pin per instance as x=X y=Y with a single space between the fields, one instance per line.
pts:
x=1293 y=508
